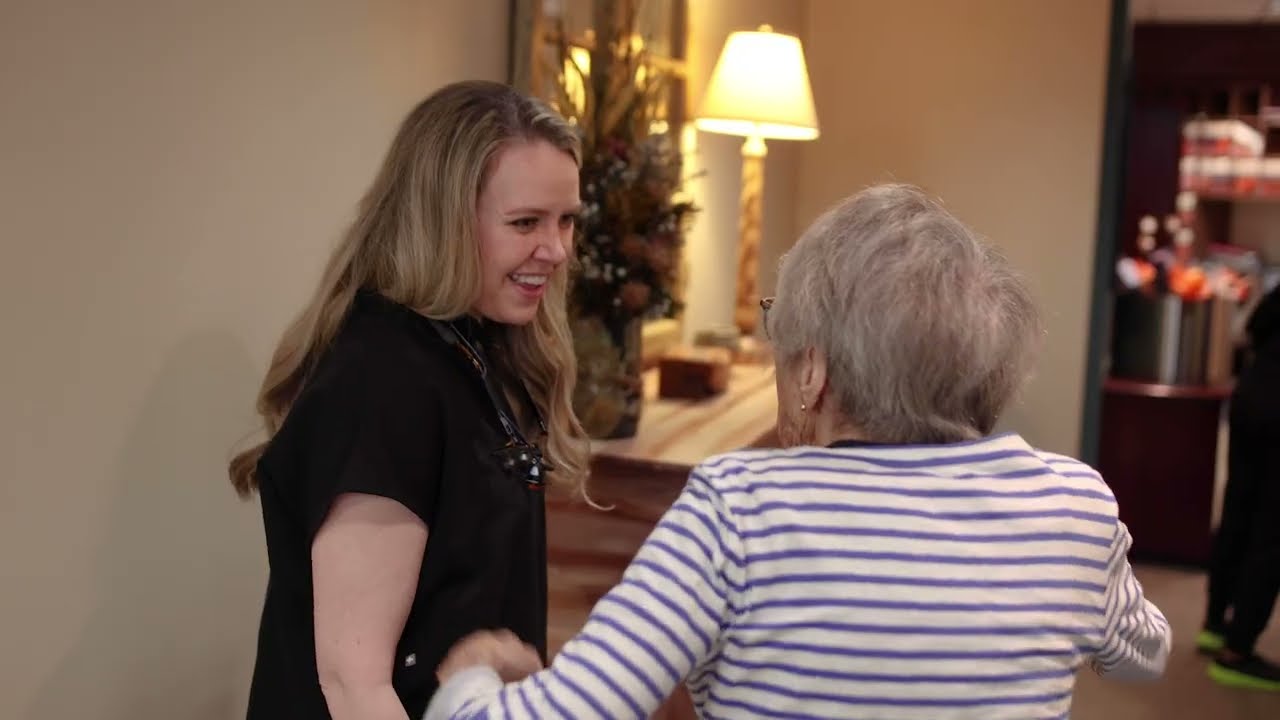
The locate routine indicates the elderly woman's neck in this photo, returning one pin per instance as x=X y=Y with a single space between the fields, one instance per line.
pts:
x=832 y=427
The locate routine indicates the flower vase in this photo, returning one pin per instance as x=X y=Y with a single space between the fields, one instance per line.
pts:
x=609 y=393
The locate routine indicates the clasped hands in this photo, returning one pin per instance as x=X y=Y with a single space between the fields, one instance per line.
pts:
x=501 y=650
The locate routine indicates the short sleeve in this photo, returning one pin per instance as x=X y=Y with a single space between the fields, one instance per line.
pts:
x=368 y=427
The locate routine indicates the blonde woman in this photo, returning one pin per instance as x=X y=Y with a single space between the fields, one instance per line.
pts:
x=897 y=559
x=414 y=410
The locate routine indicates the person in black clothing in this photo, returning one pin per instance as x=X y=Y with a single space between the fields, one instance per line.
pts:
x=413 y=412
x=1244 y=577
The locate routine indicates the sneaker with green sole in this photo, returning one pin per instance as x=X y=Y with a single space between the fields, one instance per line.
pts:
x=1250 y=673
x=1210 y=641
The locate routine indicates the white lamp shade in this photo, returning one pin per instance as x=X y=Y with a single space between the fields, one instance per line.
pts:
x=760 y=88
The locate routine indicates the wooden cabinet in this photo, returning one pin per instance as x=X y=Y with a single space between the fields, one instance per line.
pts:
x=1159 y=443
x=1181 y=71
x=1158 y=453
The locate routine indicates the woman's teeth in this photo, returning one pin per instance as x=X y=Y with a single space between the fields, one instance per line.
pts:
x=528 y=279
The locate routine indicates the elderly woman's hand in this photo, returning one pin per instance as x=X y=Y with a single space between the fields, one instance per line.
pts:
x=499 y=649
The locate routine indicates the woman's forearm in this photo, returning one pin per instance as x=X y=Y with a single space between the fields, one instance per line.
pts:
x=642 y=639
x=378 y=702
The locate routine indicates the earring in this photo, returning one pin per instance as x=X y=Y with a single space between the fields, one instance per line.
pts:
x=803 y=407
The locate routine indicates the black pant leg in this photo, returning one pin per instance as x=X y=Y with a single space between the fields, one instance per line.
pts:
x=1258 y=581
x=1230 y=543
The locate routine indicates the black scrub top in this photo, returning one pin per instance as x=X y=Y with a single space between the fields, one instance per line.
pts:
x=393 y=410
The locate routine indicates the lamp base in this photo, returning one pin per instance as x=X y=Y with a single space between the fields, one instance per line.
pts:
x=746 y=314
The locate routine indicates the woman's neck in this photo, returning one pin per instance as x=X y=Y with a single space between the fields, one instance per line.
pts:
x=831 y=428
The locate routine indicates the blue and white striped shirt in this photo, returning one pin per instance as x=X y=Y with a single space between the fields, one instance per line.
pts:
x=970 y=580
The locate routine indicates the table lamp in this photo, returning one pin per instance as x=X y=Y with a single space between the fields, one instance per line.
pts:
x=759 y=90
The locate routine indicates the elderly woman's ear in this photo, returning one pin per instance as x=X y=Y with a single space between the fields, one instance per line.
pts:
x=811 y=379
x=805 y=406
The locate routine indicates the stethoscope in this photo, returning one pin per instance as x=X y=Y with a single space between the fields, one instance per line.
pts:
x=519 y=457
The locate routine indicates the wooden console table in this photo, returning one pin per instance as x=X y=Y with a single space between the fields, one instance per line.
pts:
x=638 y=478
x=1159 y=455
x=676 y=435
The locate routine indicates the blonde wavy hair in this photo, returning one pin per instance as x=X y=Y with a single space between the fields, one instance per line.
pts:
x=414 y=241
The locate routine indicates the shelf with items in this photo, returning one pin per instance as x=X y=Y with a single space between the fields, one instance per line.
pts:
x=1168 y=367
x=1234 y=158
x=1180 y=286
x=1232 y=196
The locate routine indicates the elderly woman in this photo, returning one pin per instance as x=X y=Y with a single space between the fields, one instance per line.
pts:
x=897 y=559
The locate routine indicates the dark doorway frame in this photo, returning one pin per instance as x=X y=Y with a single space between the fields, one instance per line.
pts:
x=1110 y=201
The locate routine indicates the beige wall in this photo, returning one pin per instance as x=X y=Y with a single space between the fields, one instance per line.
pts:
x=996 y=106
x=173 y=174
x=713 y=241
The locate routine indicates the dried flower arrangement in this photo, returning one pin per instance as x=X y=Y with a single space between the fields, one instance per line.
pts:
x=633 y=222
x=632 y=225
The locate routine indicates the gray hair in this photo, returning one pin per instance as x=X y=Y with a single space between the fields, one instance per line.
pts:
x=927 y=331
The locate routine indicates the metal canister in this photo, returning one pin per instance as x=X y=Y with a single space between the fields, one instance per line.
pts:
x=1165 y=339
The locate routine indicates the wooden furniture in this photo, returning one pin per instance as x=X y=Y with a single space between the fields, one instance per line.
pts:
x=637 y=479
x=1159 y=443
x=1158 y=454
x=689 y=372
x=1179 y=71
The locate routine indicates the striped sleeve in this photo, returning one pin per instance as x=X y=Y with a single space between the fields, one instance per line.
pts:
x=642 y=639
x=1137 y=637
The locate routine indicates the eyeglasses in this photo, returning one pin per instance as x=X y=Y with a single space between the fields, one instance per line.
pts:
x=765 y=304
